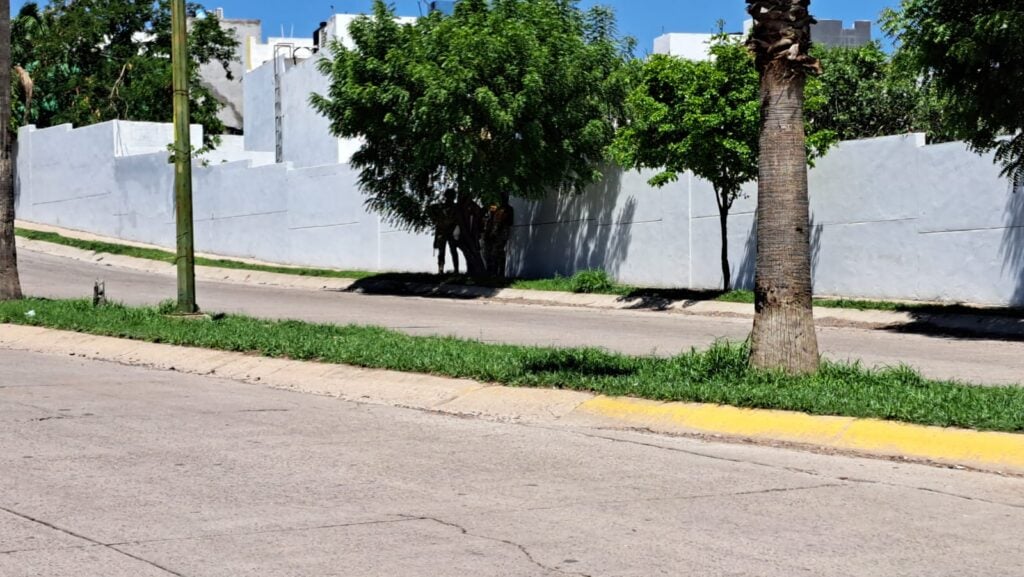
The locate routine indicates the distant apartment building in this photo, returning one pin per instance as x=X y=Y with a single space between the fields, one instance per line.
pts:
x=832 y=33
x=253 y=52
x=826 y=32
x=212 y=75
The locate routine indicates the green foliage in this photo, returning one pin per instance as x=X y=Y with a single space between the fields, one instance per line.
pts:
x=510 y=98
x=867 y=95
x=591 y=281
x=98 y=60
x=970 y=52
x=699 y=116
x=704 y=117
x=718 y=375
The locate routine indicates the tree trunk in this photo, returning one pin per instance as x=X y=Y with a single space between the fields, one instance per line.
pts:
x=470 y=220
x=10 y=285
x=723 y=220
x=470 y=247
x=498 y=231
x=783 y=336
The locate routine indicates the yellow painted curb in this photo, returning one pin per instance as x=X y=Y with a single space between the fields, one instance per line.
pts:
x=986 y=450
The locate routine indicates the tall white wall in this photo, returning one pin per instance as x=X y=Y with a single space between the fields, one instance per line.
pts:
x=891 y=218
x=244 y=205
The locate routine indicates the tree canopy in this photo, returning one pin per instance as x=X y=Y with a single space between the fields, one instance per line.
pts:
x=704 y=117
x=695 y=115
x=970 y=52
x=867 y=94
x=502 y=99
x=96 y=60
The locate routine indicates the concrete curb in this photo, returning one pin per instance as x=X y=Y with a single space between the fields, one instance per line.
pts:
x=980 y=325
x=997 y=452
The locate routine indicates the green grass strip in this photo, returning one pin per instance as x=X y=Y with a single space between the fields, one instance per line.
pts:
x=719 y=375
x=169 y=257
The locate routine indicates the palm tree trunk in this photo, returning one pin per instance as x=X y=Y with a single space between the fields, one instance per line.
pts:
x=10 y=284
x=783 y=336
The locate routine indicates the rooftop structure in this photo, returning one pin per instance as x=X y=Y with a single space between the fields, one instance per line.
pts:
x=831 y=33
x=694 y=46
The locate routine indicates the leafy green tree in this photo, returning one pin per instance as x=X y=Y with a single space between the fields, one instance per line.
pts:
x=503 y=99
x=703 y=117
x=867 y=94
x=96 y=60
x=783 y=337
x=970 y=52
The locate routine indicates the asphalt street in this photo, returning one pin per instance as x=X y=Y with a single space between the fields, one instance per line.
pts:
x=636 y=332
x=113 y=471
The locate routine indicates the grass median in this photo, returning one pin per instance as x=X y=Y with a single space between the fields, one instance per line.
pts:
x=719 y=375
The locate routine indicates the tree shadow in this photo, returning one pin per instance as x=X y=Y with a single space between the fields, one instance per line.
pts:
x=941 y=323
x=659 y=299
x=562 y=235
x=429 y=285
x=1012 y=249
x=743 y=278
x=965 y=322
x=816 y=230
x=578 y=362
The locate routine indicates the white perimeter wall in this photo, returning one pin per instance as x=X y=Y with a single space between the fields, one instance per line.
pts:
x=243 y=206
x=891 y=218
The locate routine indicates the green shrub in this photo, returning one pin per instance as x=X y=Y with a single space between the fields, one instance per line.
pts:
x=591 y=281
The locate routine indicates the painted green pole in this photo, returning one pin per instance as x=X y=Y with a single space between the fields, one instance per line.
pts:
x=183 y=163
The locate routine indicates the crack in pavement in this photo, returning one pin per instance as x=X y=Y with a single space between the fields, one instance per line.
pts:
x=34 y=549
x=686 y=497
x=263 y=532
x=90 y=540
x=930 y=490
x=403 y=519
x=775 y=467
x=521 y=548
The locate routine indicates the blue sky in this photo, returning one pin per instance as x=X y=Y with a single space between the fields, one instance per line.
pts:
x=643 y=19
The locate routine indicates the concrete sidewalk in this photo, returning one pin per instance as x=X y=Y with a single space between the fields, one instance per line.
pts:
x=983 y=324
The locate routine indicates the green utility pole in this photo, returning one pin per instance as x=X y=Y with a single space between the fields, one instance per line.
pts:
x=183 y=163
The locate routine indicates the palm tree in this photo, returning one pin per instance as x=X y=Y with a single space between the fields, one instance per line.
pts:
x=783 y=336
x=10 y=285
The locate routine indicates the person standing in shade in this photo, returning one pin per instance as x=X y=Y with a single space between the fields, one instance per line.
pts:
x=446 y=231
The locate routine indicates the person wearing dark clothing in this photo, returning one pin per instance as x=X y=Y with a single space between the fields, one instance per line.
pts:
x=446 y=231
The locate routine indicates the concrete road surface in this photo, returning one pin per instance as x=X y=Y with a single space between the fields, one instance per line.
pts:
x=111 y=471
x=635 y=332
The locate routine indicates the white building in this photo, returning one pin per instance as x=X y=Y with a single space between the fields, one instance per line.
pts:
x=277 y=88
x=694 y=46
x=684 y=45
